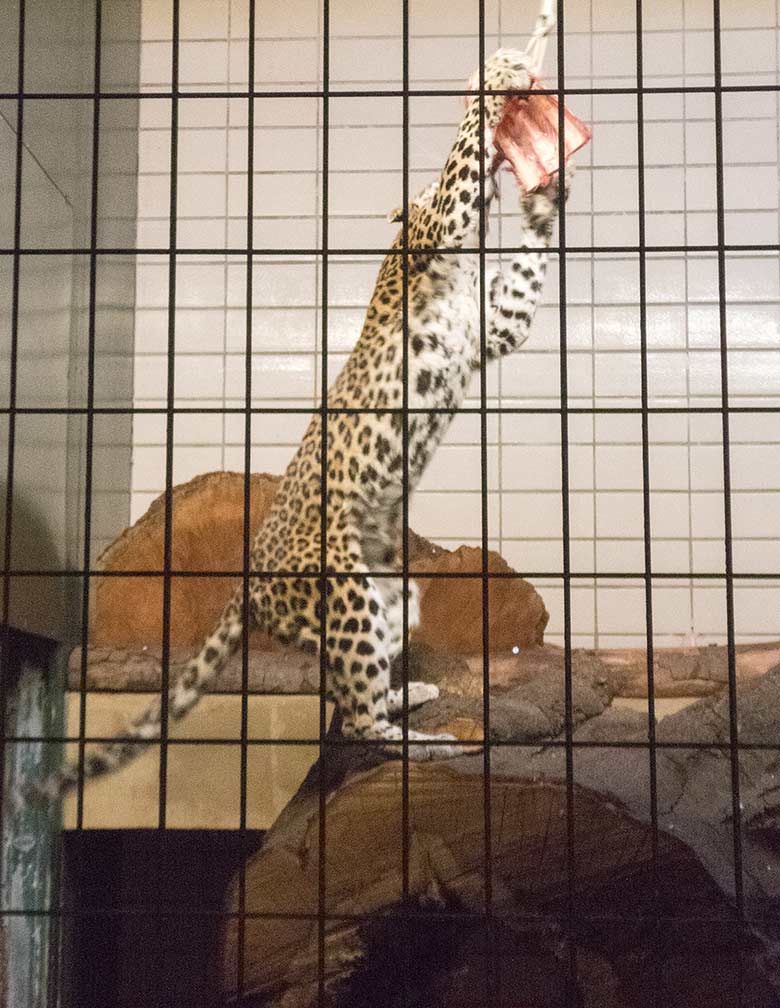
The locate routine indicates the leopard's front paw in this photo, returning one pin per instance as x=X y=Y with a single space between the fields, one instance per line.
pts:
x=421 y=746
x=553 y=187
x=541 y=206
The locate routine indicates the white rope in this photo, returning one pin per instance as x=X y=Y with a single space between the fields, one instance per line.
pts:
x=537 y=45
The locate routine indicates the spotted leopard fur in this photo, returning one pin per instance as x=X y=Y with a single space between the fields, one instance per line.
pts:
x=363 y=612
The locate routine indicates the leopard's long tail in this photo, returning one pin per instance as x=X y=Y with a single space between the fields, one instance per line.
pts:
x=144 y=730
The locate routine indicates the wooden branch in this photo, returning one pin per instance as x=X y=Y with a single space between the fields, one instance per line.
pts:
x=207 y=535
x=625 y=960
x=679 y=672
x=686 y=671
x=129 y=670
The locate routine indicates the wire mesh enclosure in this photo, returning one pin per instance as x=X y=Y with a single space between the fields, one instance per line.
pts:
x=193 y=214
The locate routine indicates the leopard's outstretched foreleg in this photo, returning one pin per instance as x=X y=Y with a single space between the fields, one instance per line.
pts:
x=514 y=291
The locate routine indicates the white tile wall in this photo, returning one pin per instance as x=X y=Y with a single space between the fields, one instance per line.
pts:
x=602 y=288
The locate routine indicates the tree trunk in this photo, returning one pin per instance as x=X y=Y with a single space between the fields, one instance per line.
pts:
x=595 y=901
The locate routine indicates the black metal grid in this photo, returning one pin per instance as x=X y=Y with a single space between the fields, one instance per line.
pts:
x=324 y=252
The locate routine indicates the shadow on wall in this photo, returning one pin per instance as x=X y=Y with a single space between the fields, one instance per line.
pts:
x=37 y=605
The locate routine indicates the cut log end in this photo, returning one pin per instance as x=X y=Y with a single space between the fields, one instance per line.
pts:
x=558 y=891
x=443 y=947
x=207 y=534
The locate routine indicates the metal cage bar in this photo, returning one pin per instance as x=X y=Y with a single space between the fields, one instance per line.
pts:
x=169 y=417
x=90 y=414
x=568 y=748
x=323 y=578
x=5 y=642
x=736 y=805
x=248 y=532
x=405 y=826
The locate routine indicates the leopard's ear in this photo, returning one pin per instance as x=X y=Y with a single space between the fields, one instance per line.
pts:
x=396 y=216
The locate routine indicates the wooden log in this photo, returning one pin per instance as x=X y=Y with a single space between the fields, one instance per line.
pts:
x=622 y=876
x=517 y=615
x=679 y=672
x=686 y=671
x=207 y=535
x=128 y=670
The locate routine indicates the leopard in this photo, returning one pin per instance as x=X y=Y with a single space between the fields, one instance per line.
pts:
x=423 y=338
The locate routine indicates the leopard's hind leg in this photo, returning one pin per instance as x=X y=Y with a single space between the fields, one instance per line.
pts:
x=391 y=590
x=380 y=533
x=380 y=639
x=357 y=638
